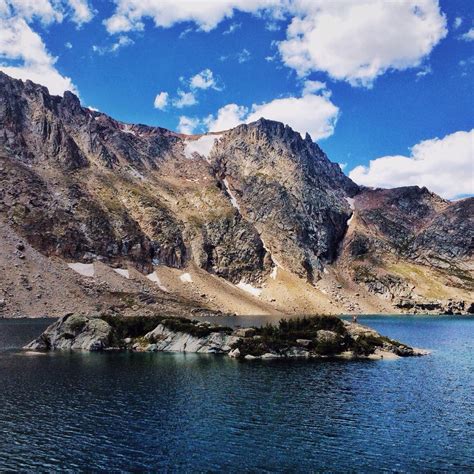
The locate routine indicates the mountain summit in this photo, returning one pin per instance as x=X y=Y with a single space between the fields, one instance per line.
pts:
x=96 y=214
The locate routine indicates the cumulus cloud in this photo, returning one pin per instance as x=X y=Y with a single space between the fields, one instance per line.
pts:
x=188 y=125
x=468 y=36
x=227 y=117
x=20 y=44
x=23 y=54
x=161 y=101
x=129 y=14
x=443 y=165
x=358 y=40
x=311 y=113
x=184 y=99
x=203 y=80
x=310 y=87
x=42 y=10
x=82 y=12
x=351 y=40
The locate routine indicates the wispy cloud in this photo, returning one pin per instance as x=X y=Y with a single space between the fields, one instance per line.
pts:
x=121 y=42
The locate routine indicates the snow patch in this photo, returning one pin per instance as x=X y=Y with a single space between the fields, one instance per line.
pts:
x=274 y=260
x=128 y=129
x=156 y=279
x=249 y=288
x=123 y=272
x=202 y=146
x=186 y=278
x=233 y=199
x=84 y=269
x=274 y=272
x=351 y=204
x=136 y=174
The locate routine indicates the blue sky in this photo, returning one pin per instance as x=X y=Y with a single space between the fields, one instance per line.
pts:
x=370 y=97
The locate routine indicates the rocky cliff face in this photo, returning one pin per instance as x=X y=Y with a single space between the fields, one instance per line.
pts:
x=290 y=192
x=257 y=207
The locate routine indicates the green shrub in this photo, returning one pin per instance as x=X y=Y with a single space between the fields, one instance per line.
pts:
x=192 y=327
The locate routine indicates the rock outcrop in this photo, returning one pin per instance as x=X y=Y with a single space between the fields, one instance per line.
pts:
x=318 y=336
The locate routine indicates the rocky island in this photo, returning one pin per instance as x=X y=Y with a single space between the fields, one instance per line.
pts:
x=307 y=337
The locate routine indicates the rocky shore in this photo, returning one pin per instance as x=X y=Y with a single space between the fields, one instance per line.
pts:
x=308 y=337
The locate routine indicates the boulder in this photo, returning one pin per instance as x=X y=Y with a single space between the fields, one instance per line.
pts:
x=304 y=342
x=244 y=332
x=326 y=336
x=74 y=332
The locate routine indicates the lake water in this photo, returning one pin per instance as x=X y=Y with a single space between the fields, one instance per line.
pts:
x=175 y=412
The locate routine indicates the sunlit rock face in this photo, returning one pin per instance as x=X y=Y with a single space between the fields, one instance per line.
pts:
x=239 y=204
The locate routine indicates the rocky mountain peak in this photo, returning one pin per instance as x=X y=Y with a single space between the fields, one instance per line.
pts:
x=241 y=205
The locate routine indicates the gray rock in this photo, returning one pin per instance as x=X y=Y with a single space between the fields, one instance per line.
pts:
x=304 y=342
x=235 y=353
x=327 y=336
x=74 y=332
x=244 y=332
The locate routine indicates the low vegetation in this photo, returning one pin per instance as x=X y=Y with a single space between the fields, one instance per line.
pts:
x=290 y=333
x=136 y=327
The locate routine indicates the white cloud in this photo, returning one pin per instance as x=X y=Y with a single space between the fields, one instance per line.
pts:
x=424 y=71
x=351 y=40
x=129 y=14
x=161 y=101
x=82 y=12
x=457 y=22
x=47 y=11
x=184 y=99
x=443 y=165
x=203 y=80
x=310 y=87
x=185 y=33
x=19 y=43
x=23 y=54
x=358 y=40
x=227 y=117
x=42 y=10
x=311 y=113
x=468 y=36
x=188 y=125
x=121 y=42
x=68 y=45
x=232 y=27
x=243 y=56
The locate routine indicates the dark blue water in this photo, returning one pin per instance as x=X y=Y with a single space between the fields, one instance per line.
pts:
x=150 y=412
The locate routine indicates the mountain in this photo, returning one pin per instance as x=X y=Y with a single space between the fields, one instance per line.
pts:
x=96 y=214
